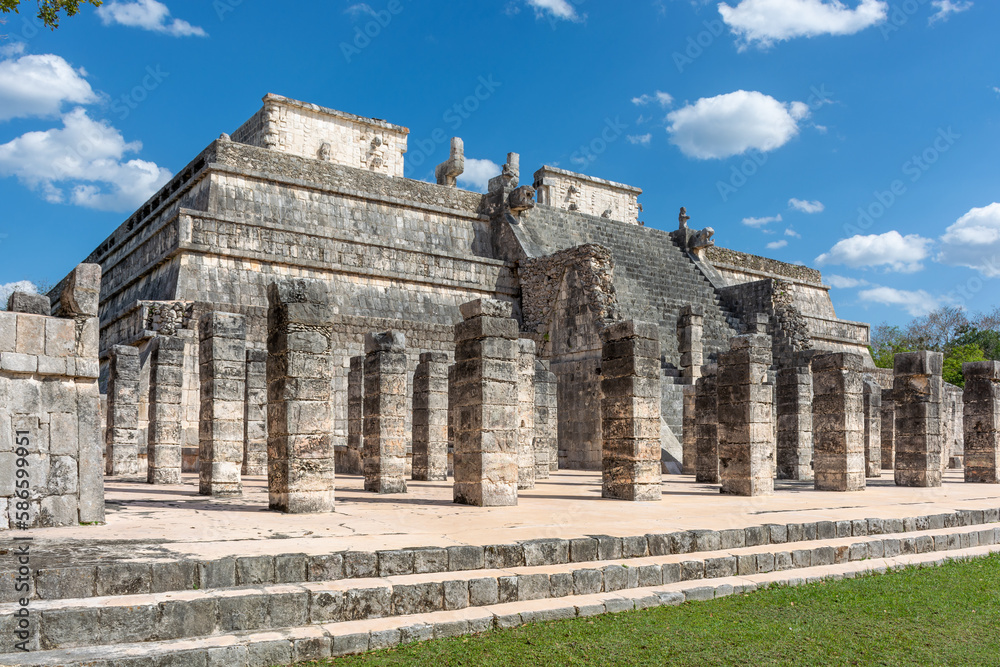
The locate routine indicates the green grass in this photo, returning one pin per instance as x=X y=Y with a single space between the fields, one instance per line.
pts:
x=948 y=615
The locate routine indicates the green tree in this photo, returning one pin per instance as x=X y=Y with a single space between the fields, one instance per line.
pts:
x=49 y=11
x=953 y=361
x=988 y=340
x=888 y=341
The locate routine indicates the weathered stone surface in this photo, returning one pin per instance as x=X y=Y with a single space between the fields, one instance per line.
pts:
x=255 y=415
x=354 y=461
x=27 y=302
x=888 y=430
x=707 y=426
x=838 y=422
x=222 y=347
x=166 y=380
x=873 y=428
x=122 y=433
x=631 y=411
x=526 y=414
x=385 y=408
x=981 y=401
x=793 y=400
x=917 y=391
x=430 y=418
x=546 y=444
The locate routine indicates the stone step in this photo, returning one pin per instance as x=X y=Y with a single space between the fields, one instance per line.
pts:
x=291 y=645
x=135 y=569
x=63 y=624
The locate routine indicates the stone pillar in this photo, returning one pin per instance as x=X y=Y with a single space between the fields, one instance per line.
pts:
x=982 y=422
x=356 y=417
x=430 y=418
x=689 y=434
x=630 y=411
x=452 y=403
x=691 y=331
x=707 y=426
x=485 y=405
x=255 y=415
x=546 y=421
x=300 y=457
x=838 y=422
x=793 y=393
x=122 y=434
x=222 y=349
x=385 y=413
x=526 y=414
x=888 y=430
x=166 y=382
x=918 y=387
x=746 y=441
x=873 y=428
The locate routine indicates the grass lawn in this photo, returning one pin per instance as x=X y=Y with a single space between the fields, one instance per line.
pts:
x=947 y=615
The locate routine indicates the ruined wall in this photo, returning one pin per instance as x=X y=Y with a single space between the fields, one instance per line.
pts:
x=574 y=192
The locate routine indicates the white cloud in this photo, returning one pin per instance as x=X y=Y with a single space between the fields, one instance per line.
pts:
x=974 y=241
x=945 y=8
x=85 y=156
x=777 y=245
x=359 y=9
x=916 y=303
x=39 y=86
x=478 y=173
x=757 y=223
x=892 y=250
x=560 y=9
x=806 y=206
x=840 y=282
x=996 y=89
x=20 y=286
x=147 y=15
x=792 y=233
x=764 y=22
x=639 y=139
x=661 y=98
x=12 y=49
x=731 y=124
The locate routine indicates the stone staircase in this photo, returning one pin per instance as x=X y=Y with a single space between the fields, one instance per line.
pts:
x=275 y=610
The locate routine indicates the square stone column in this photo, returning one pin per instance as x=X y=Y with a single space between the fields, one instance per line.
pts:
x=546 y=421
x=452 y=411
x=222 y=349
x=630 y=411
x=982 y=422
x=873 y=428
x=430 y=418
x=526 y=414
x=689 y=431
x=122 y=434
x=691 y=329
x=838 y=422
x=385 y=412
x=485 y=405
x=300 y=457
x=918 y=388
x=356 y=416
x=255 y=415
x=888 y=430
x=793 y=392
x=707 y=425
x=746 y=427
x=166 y=383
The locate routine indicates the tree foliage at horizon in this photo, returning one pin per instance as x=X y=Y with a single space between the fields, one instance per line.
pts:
x=49 y=10
x=948 y=330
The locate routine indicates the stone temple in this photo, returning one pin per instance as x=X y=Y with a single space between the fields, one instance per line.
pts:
x=291 y=319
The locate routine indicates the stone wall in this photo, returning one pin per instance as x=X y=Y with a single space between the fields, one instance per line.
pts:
x=585 y=194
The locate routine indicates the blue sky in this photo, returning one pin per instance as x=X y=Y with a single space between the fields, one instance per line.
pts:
x=868 y=127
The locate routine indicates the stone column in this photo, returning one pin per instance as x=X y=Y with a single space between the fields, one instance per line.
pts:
x=300 y=457
x=356 y=417
x=873 y=428
x=838 y=422
x=707 y=426
x=526 y=414
x=546 y=421
x=918 y=387
x=794 y=413
x=385 y=412
x=630 y=411
x=485 y=405
x=888 y=430
x=746 y=441
x=982 y=422
x=689 y=431
x=222 y=349
x=122 y=434
x=166 y=382
x=691 y=327
x=430 y=418
x=452 y=410
x=255 y=415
